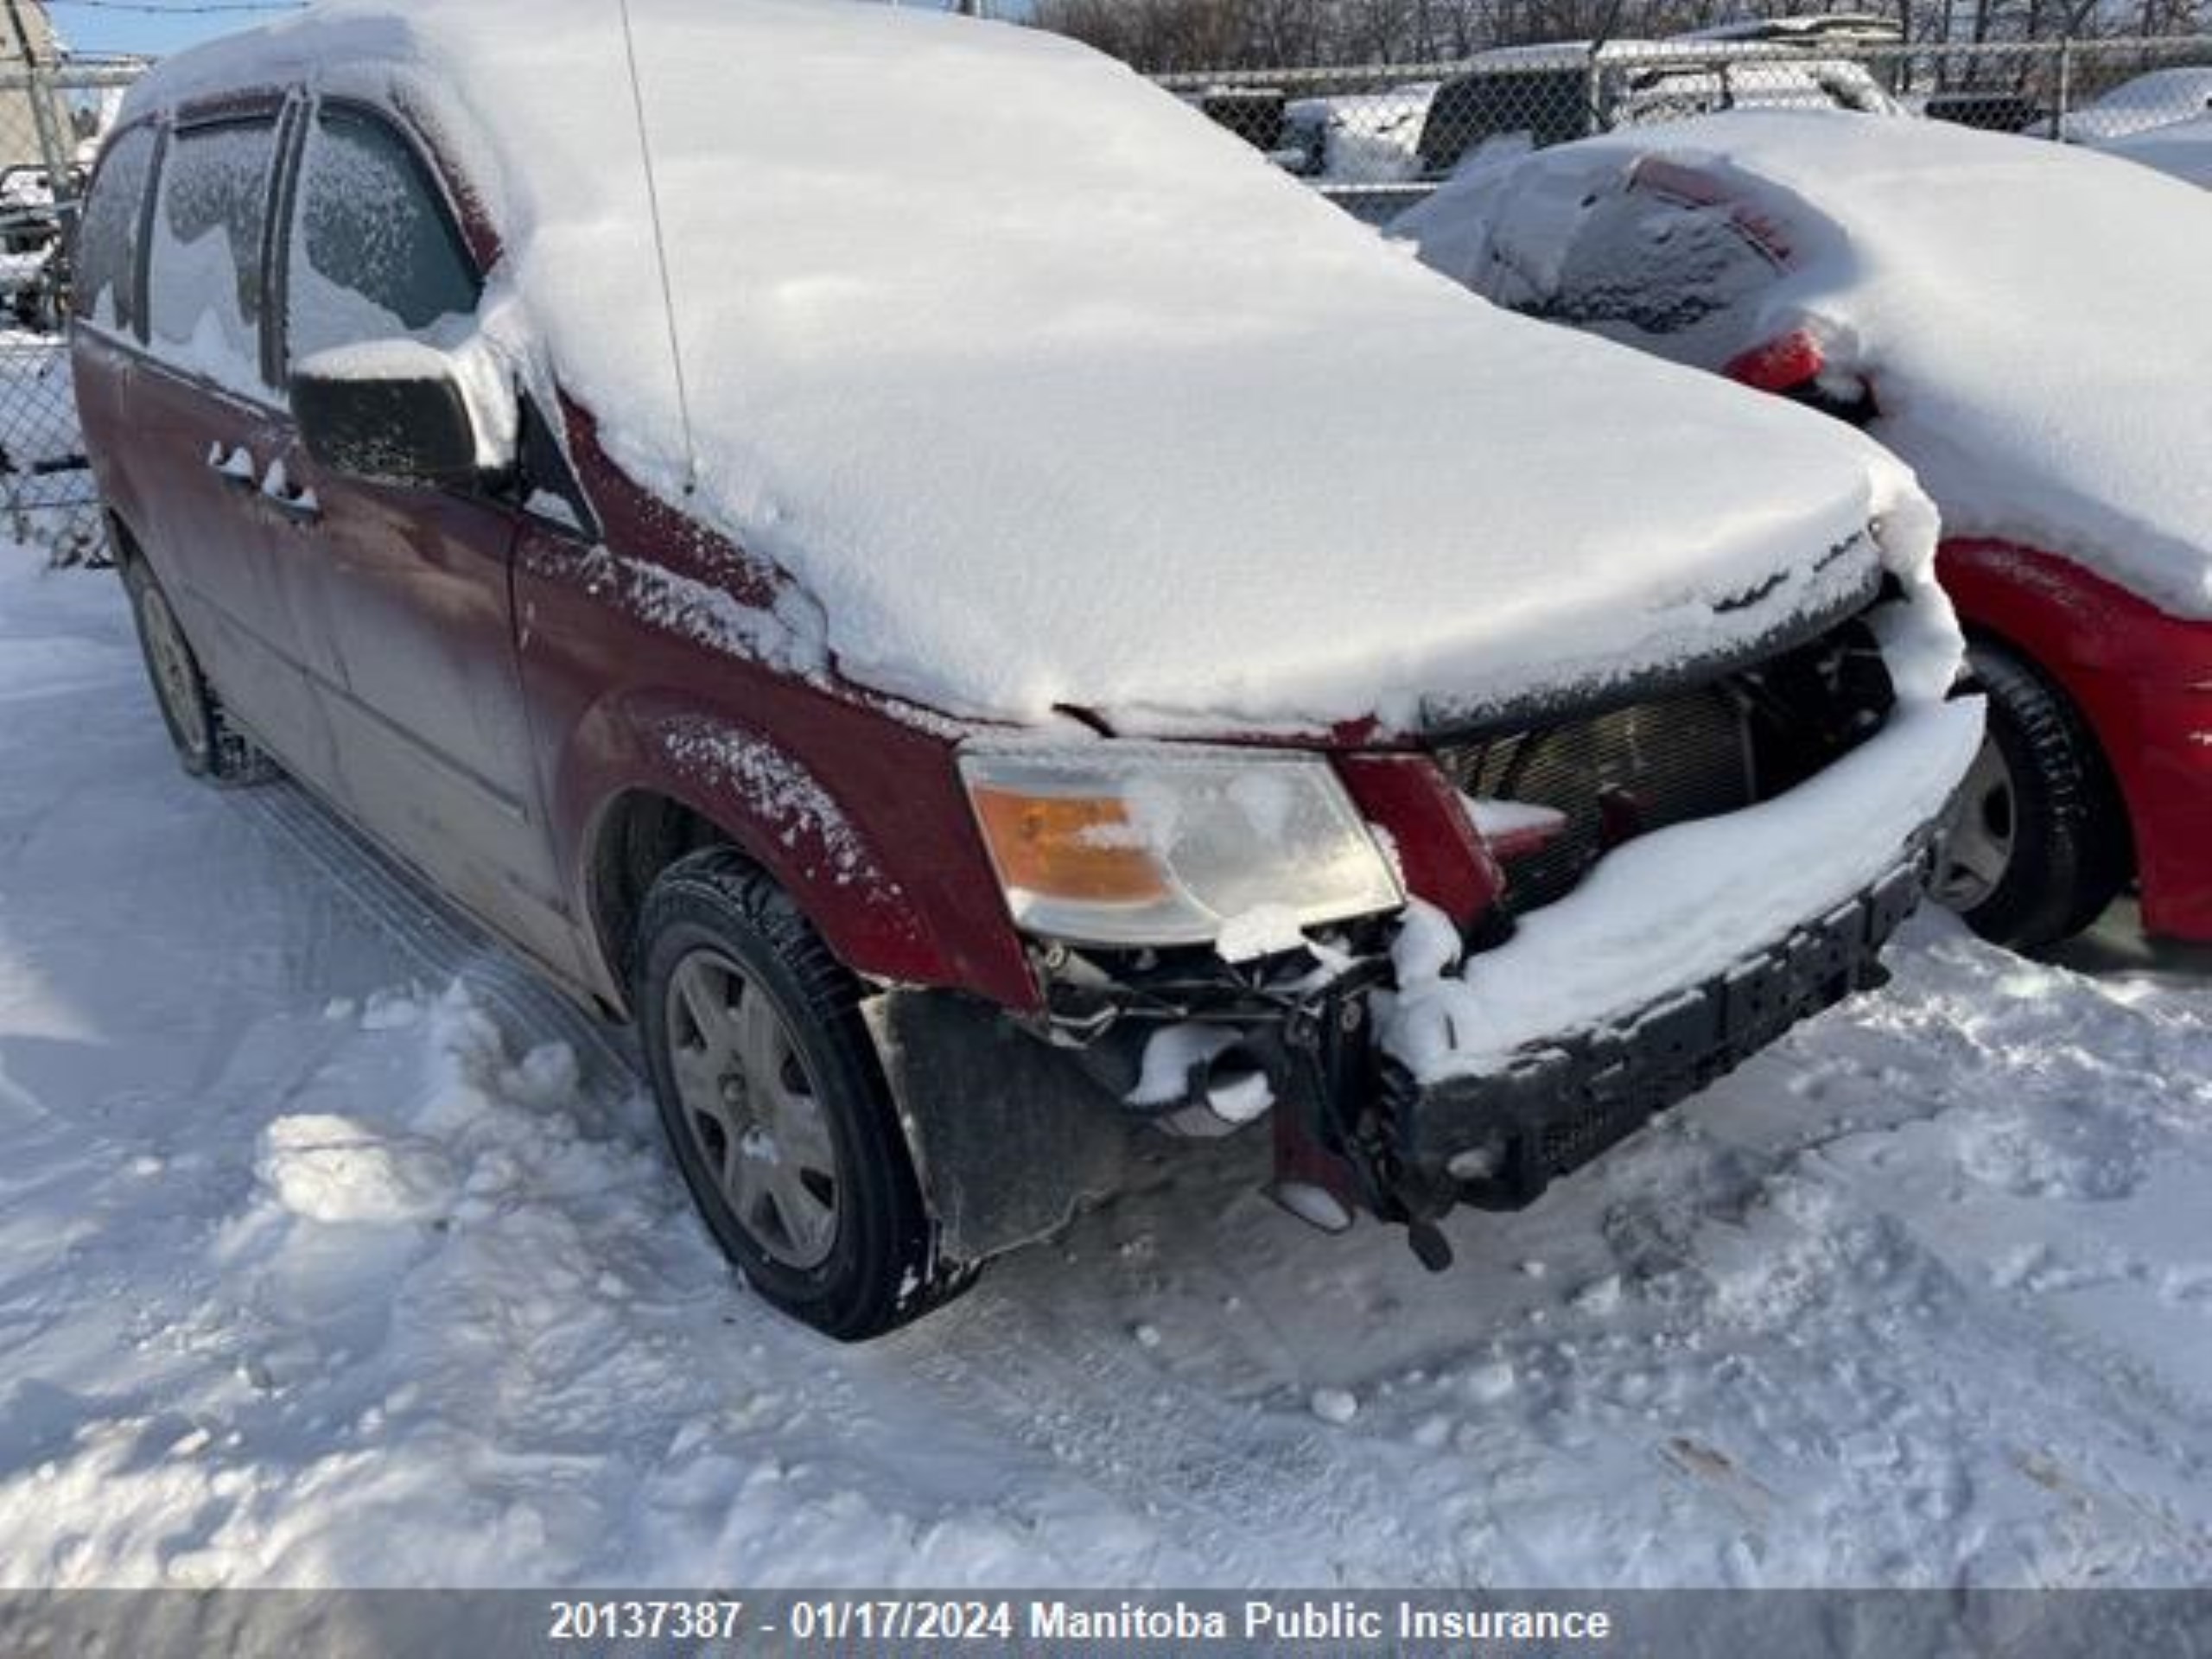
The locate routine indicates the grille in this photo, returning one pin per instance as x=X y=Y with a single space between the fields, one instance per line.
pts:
x=1615 y=776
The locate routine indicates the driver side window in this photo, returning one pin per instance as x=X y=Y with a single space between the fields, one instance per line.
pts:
x=374 y=253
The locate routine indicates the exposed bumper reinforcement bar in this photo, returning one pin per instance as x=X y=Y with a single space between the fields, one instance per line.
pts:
x=1559 y=1105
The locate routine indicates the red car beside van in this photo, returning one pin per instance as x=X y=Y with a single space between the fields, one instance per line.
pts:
x=2015 y=322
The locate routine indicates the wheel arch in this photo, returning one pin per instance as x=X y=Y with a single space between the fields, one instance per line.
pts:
x=686 y=781
x=2067 y=627
x=636 y=834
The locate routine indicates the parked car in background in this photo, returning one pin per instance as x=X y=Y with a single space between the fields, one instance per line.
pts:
x=1526 y=98
x=2180 y=149
x=1991 y=109
x=2156 y=99
x=1255 y=114
x=1829 y=29
x=982 y=670
x=1359 y=137
x=2020 y=322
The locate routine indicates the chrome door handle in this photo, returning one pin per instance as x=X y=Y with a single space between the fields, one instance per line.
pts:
x=301 y=505
x=234 y=466
x=279 y=491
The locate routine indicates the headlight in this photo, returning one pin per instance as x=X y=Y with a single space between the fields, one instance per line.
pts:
x=1156 y=844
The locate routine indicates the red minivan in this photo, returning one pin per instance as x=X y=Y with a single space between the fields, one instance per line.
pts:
x=897 y=557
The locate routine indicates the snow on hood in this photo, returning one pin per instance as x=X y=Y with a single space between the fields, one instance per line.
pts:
x=1049 y=392
x=2030 y=315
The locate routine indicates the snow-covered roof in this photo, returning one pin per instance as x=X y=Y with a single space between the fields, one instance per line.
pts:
x=2137 y=105
x=1854 y=26
x=1047 y=391
x=1684 y=51
x=2029 y=314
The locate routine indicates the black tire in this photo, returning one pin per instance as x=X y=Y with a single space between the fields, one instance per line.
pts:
x=2068 y=851
x=881 y=1267
x=208 y=745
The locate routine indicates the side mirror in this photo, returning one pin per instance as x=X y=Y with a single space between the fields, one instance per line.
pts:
x=390 y=412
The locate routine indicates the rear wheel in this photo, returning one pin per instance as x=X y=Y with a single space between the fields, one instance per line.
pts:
x=2037 y=841
x=775 y=1105
x=207 y=744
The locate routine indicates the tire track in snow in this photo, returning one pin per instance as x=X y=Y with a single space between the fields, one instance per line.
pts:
x=443 y=944
x=1215 y=1482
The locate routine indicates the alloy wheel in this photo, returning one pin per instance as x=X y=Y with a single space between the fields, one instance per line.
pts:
x=750 y=1109
x=176 y=679
x=1981 y=831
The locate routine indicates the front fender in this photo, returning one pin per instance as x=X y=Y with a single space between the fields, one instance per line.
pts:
x=2143 y=680
x=874 y=843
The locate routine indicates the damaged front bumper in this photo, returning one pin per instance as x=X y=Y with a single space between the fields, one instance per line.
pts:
x=1412 y=1061
x=1014 y=1135
x=1496 y=1140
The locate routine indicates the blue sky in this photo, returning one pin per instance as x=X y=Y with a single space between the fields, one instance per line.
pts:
x=154 y=27
x=162 y=26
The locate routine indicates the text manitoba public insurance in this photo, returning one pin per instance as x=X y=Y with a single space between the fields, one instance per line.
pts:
x=1331 y=1622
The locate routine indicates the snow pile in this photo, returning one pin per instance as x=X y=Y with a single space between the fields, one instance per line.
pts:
x=331 y=1169
x=1047 y=391
x=2027 y=315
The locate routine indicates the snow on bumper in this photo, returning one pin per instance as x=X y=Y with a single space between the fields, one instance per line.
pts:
x=1678 y=908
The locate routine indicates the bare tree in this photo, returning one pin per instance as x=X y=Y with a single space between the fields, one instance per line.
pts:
x=1171 y=34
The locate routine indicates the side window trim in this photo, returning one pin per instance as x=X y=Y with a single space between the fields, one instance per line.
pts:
x=141 y=252
x=275 y=233
x=542 y=467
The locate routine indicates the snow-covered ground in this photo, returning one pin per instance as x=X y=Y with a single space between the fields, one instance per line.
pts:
x=332 y=1250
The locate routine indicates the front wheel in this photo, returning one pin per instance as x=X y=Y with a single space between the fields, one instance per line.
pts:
x=775 y=1104
x=208 y=745
x=2037 y=840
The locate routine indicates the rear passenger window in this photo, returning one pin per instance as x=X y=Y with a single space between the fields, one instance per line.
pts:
x=374 y=253
x=107 y=239
x=204 y=279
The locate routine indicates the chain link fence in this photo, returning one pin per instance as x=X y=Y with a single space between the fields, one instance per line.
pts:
x=49 y=119
x=1377 y=139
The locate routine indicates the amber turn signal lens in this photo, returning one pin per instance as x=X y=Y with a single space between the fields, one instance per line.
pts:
x=1067 y=846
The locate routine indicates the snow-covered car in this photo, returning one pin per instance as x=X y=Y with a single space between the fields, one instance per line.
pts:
x=1835 y=29
x=1992 y=109
x=2156 y=99
x=980 y=640
x=2020 y=321
x=2181 y=149
x=1523 y=97
x=1359 y=137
